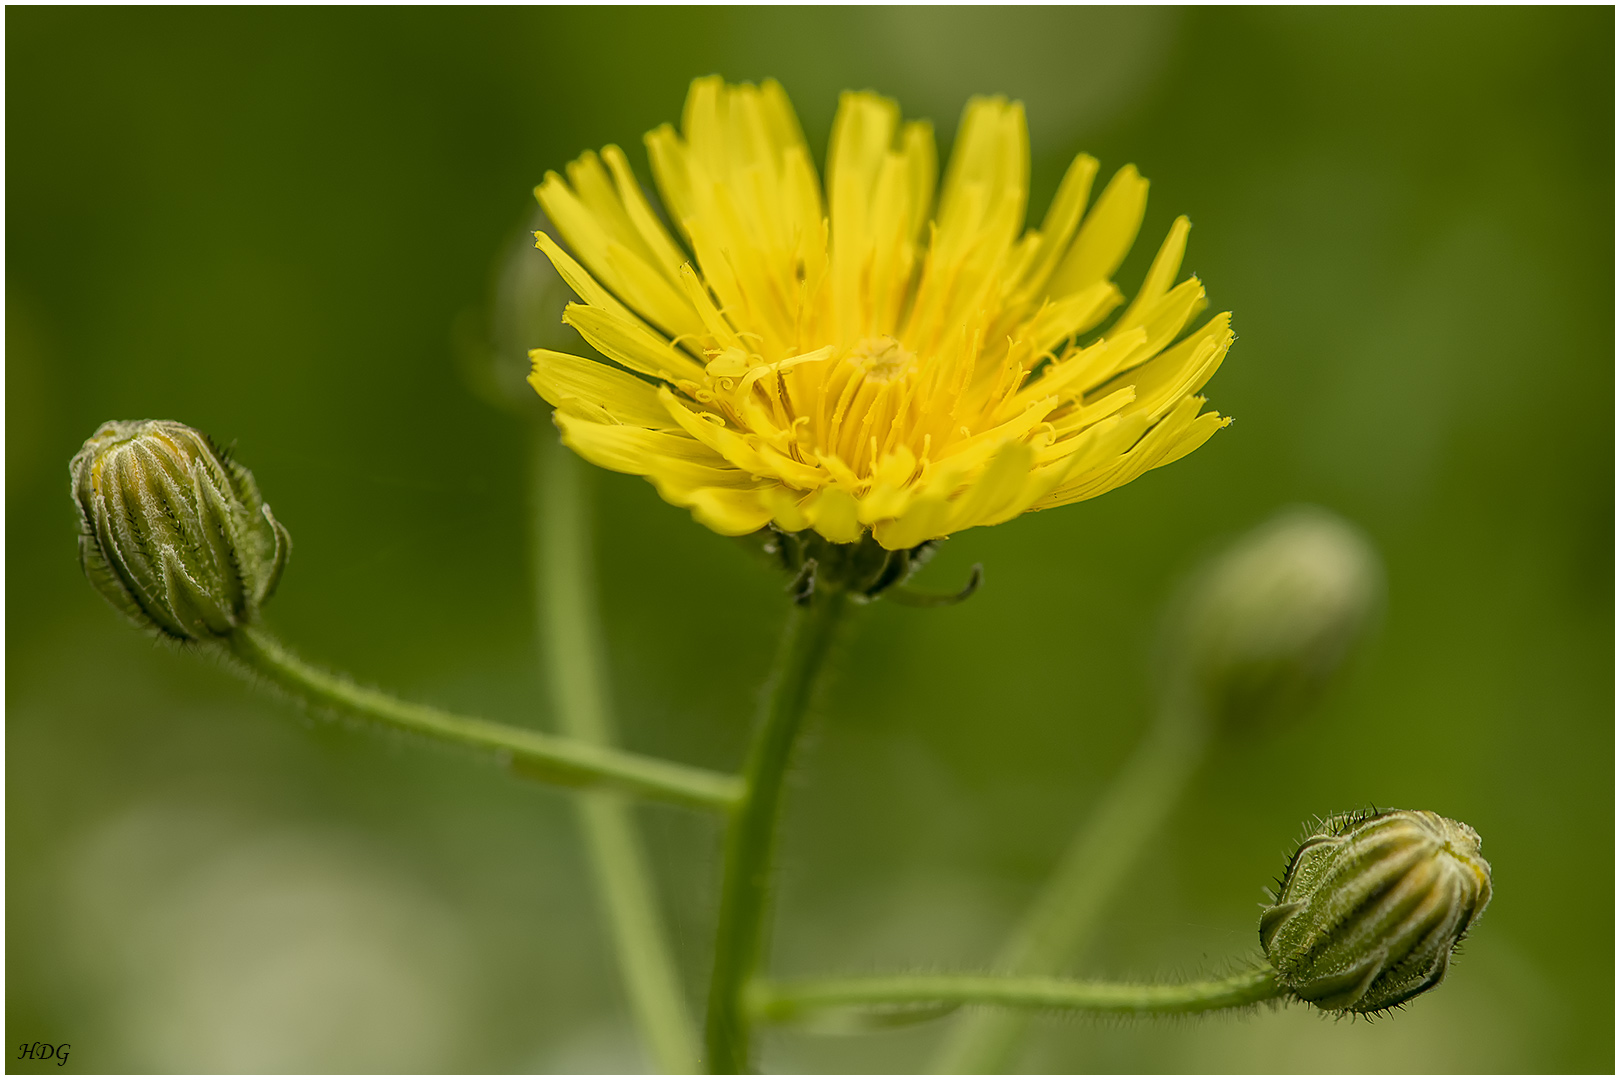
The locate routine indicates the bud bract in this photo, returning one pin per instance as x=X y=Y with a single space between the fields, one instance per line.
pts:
x=172 y=531
x=864 y=569
x=1268 y=622
x=1372 y=906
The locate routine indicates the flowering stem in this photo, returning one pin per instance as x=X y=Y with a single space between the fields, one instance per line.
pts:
x=572 y=652
x=1066 y=913
x=792 y=1000
x=751 y=840
x=555 y=760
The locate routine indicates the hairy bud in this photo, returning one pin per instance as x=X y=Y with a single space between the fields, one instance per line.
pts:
x=1268 y=622
x=1372 y=906
x=172 y=531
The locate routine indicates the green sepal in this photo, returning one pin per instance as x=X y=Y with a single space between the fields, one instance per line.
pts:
x=865 y=569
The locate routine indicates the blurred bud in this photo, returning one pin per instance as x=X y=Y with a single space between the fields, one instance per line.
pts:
x=524 y=310
x=1371 y=907
x=172 y=531
x=1267 y=623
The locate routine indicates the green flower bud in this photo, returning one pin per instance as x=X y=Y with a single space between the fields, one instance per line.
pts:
x=172 y=531
x=1268 y=622
x=1371 y=907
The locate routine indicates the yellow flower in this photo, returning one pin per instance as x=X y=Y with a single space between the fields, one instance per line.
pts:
x=844 y=361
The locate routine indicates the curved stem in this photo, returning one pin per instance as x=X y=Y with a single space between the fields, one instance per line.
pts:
x=1067 y=911
x=788 y=1001
x=568 y=762
x=573 y=655
x=751 y=840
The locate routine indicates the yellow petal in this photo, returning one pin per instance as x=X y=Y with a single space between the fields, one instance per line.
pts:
x=780 y=119
x=1107 y=235
x=1165 y=266
x=596 y=225
x=1057 y=228
x=786 y=508
x=672 y=173
x=746 y=452
x=666 y=254
x=891 y=491
x=991 y=154
x=1073 y=314
x=676 y=459
x=832 y=514
x=1179 y=371
x=702 y=126
x=598 y=195
x=1079 y=369
x=572 y=382
x=1147 y=453
x=728 y=511
x=1197 y=434
x=623 y=342
x=714 y=323
x=584 y=285
x=998 y=492
x=925 y=519
x=922 y=166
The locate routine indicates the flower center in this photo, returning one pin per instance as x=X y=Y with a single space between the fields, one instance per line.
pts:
x=883 y=359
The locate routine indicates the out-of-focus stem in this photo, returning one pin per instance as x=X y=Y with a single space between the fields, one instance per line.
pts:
x=572 y=653
x=1065 y=915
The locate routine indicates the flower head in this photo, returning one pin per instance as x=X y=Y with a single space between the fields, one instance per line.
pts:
x=859 y=357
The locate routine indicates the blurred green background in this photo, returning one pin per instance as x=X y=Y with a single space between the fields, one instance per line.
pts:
x=283 y=226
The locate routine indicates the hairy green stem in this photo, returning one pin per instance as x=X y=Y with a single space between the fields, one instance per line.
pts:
x=751 y=840
x=573 y=654
x=792 y=1000
x=1066 y=914
x=568 y=762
